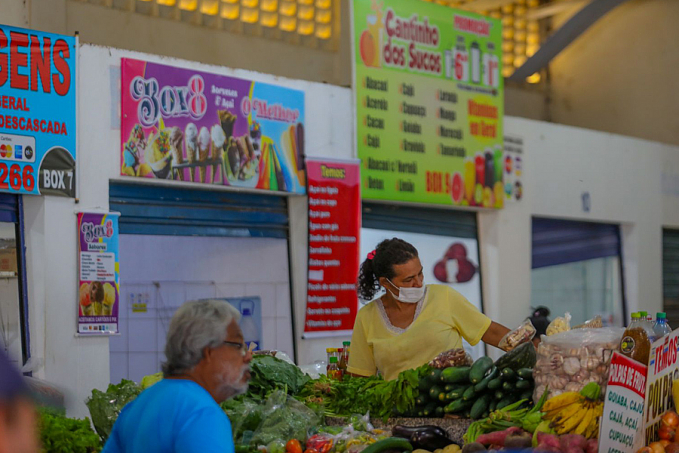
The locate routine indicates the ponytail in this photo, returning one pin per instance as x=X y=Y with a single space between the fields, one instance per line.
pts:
x=380 y=263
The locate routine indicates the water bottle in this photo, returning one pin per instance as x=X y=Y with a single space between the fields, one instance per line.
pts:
x=248 y=326
x=661 y=328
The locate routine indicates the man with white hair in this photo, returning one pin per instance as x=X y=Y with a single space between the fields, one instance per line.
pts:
x=207 y=362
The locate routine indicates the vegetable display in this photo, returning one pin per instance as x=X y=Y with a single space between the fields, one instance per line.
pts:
x=576 y=413
x=59 y=434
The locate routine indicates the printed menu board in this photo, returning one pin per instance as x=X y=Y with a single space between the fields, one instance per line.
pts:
x=429 y=103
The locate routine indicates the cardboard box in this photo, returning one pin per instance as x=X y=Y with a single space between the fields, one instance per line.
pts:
x=8 y=260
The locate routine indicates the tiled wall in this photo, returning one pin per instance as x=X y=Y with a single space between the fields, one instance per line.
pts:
x=187 y=268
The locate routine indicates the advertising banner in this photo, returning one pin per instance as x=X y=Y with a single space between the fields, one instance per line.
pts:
x=37 y=112
x=429 y=103
x=622 y=421
x=199 y=127
x=98 y=270
x=663 y=369
x=334 y=228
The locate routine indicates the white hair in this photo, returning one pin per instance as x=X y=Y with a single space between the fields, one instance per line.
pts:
x=196 y=325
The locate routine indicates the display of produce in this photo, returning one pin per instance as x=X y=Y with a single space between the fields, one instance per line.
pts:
x=669 y=439
x=61 y=434
x=570 y=360
x=576 y=412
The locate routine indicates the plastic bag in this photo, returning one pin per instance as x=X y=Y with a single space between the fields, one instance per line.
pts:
x=560 y=324
x=451 y=357
x=284 y=418
x=522 y=334
x=570 y=360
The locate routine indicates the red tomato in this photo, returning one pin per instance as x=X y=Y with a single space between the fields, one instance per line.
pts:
x=671 y=419
x=293 y=446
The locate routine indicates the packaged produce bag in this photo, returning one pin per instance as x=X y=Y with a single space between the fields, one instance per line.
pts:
x=569 y=360
x=522 y=334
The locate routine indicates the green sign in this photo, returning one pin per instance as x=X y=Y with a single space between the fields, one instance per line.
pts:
x=429 y=103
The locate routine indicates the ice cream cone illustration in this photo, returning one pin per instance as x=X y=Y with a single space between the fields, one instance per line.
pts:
x=97 y=298
x=204 y=142
x=191 y=140
x=177 y=148
x=109 y=299
x=218 y=139
x=85 y=301
x=157 y=154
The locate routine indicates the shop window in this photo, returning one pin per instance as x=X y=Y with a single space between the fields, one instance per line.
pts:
x=14 y=337
x=670 y=282
x=310 y=22
x=433 y=232
x=577 y=269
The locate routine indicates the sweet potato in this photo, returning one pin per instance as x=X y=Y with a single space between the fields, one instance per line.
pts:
x=592 y=446
x=573 y=450
x=568 y=441
x=548 y=440
x=498 y=437
x=518 y=441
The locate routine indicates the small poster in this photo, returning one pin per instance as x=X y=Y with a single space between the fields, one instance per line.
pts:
x=98 y=273
x=622 y=422
x=334 y=229
x=663 y=369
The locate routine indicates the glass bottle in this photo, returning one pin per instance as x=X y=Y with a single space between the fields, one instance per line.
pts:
x=333 y=369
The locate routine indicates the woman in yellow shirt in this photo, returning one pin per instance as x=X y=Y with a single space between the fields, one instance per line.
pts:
x=411 y=323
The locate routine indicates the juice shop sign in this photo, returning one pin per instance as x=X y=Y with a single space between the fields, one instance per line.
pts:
x=662 y=372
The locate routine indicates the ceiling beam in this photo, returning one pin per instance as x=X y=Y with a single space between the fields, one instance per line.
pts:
x=564 y=36
x=552 y=9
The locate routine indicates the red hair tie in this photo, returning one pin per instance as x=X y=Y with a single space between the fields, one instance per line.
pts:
x=371 y=255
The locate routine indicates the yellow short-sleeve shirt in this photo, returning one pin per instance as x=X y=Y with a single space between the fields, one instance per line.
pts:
x=442 y=319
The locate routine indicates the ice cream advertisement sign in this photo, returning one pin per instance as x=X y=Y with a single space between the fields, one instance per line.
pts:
x=429 y=103
x=98 y=266
x=192 y=126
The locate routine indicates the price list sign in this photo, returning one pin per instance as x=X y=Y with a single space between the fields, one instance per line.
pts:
x=622 y=422
x=429 y=103
x=334 y=228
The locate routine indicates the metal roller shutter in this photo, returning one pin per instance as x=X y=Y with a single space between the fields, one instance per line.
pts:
x=439 y=222
x=166 y=211
x=670 y=275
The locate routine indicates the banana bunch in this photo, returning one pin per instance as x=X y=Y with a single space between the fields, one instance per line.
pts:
x=573 y=413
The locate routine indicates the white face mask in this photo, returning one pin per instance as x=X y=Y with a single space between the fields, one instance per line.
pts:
x=408 y=295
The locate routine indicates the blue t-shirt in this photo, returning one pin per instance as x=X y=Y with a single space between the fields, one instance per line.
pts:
x=173 y=416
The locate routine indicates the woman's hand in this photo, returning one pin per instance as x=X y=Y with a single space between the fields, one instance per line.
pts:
x=494 y=334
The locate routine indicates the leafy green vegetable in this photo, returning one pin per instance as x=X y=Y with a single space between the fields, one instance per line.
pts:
x=269 y=373
x=148 y=381
x=60 y=434
x=105 y=406
x=284 y=418
x=365 y=394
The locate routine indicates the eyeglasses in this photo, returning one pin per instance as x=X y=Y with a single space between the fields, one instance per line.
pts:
x=242 y=346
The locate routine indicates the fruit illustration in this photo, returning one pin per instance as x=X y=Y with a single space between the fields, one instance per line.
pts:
x=367 y=46
x=478 y=195
x=469 y=180
x=487 y=198
x=455 y=267
x=457 y=188
x=480 y=162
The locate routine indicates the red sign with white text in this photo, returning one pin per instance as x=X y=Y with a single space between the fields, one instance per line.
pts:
x=334 y=229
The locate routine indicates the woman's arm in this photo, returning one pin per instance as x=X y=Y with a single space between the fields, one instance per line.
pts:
x=494 y=334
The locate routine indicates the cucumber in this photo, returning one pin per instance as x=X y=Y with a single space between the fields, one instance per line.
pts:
x=508 y=386
x=506 y=401
x=483 y=385
x=456 y=375
x=527 y=395
x=499 y=394
x=493 y=405
x=450 y=387
x=479 y=369
x=430 y=409
x=457 y=406
x=434 y=392
x=423 y=385
x=523 y=385
x=390 y=443
x=485 y=415
x=525 y=373
x=469 y=393
x=439 y=411
x=457 y=393
x=467 y=414
x=523 y=356
x=443 y=397
x=480 y=406
x=508 y=374
x=495 y=384
x=434 y=376
x=421 y=400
